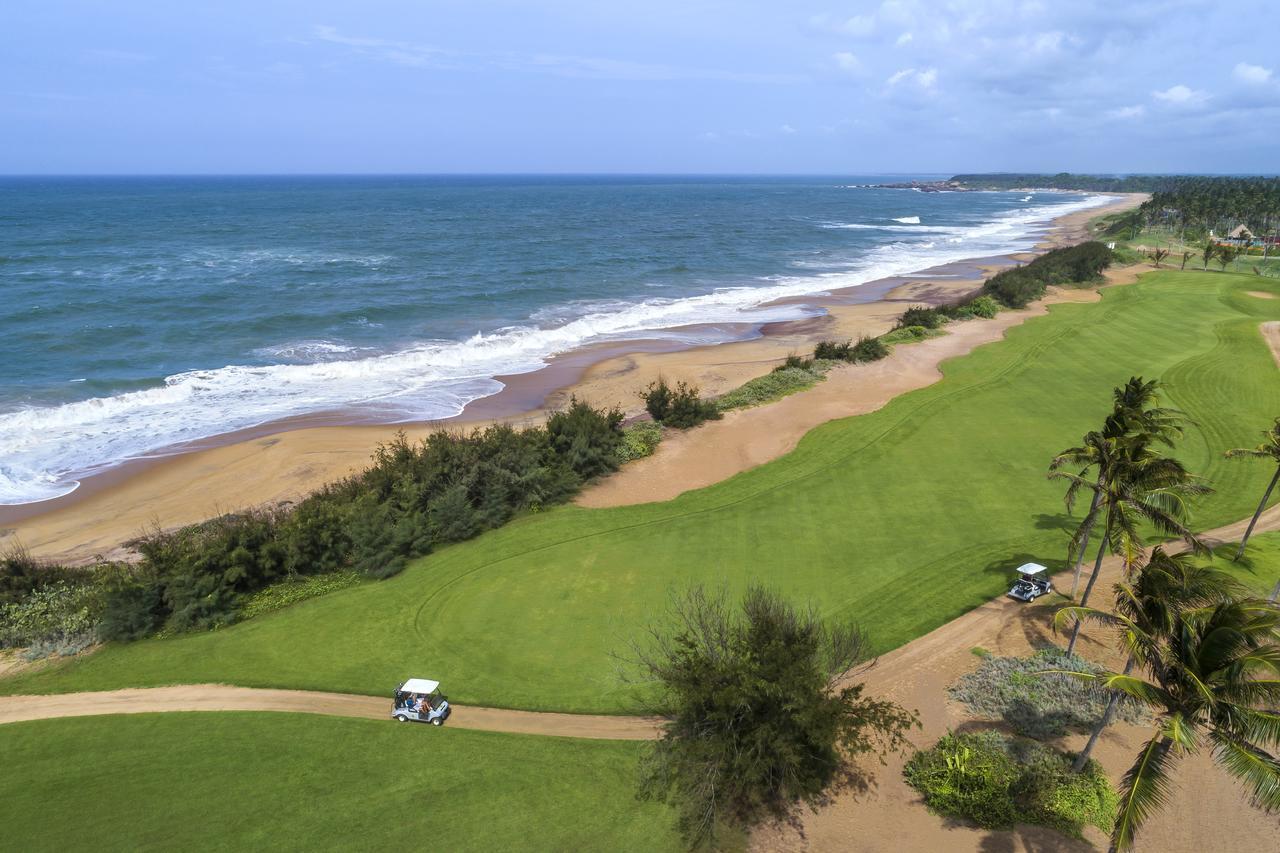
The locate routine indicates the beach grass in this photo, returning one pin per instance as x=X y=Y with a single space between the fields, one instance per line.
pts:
x=252 y=781
x=903 y=519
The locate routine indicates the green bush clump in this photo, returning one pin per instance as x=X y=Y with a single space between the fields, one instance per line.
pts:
x=679 y=407
x=866 y=349
x=980 y=306
x=639 y=440
x=1038 y=706
x=921 y=315
x=907 y=335
x=795 y=362
x=59 y=617
x=996 y=781
x=1077 y=264
x=767 y=388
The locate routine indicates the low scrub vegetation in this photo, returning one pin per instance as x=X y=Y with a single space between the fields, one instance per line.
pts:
x=639 y=440
x=773 y=386
x=1078 y=264
x=996 y=781
x=866 y=349
x=416 y=496
x=287 y=593
x=680 y=406
x=1033 y=703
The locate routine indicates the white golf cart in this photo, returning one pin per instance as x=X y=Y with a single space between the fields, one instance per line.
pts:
x=419 y=700
x=1033 y=582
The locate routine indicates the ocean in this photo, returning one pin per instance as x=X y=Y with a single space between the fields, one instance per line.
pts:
x=140 y=314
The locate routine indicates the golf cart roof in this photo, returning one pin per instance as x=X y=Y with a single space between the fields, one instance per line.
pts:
x=419 y=685
x=1031 y=569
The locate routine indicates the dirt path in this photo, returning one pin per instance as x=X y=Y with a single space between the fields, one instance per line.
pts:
x=751 y=437
x=1205 y=807
x=221 y=697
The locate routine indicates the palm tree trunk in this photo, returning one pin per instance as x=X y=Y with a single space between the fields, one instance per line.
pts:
x=1084 y=544
x=1275 y=593
x=1093 y=578
x=1112 y=701
x=1261 y=506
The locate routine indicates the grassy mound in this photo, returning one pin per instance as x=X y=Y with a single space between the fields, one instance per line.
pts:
x=905 y=518
x=241 y=781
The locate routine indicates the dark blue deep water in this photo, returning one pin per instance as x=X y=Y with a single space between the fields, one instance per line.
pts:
x=140 y=313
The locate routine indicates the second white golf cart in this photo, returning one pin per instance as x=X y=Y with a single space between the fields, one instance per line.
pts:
x=419 y=700
x=1033 y=582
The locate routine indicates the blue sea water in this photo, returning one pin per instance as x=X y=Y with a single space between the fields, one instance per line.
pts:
x=137 y=314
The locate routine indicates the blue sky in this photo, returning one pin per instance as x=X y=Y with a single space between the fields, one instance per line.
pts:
x=689 y=86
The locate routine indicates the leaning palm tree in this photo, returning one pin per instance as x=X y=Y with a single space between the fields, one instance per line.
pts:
x=1210 y=249
x=1269 y=449
x=1135 y=416
x=1151 y=600
x=1141 y=488
x=1212 y=676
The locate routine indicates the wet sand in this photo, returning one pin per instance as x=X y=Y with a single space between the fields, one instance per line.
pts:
x=284 y=462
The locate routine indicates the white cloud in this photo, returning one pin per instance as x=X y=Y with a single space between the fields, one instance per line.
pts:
x=925 y=78
x=1135 y=111
x=904 y=39
x=859 y=25
x=1180 y=94
x=846 y=61
x=787 y=129
x=1252 y=73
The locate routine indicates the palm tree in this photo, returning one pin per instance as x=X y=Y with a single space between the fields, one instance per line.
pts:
x=1269 y=449
x=1213 y=673
x=1141 y=487
x=1209 y=250
x=1226 y=254
x=1134 y=414
x=1186 y=256
x=1158 y=255
x=1152 y=600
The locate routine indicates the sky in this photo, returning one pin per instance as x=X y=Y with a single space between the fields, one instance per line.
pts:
x=692 y=86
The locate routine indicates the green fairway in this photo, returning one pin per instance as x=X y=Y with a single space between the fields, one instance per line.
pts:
x=239 y=781
x=904 y=518
x=1259 y=569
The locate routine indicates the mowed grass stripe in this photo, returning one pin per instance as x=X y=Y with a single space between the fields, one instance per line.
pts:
x=903 y=518
x=249 y=781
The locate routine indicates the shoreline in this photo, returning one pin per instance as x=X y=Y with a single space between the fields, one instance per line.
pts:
x=282 y=461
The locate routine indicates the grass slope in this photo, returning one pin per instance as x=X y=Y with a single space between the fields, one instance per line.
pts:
x=299 y=782
x=904 y=518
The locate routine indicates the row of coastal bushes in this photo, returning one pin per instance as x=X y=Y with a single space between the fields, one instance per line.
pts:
x=415 y=496
x=681 y=405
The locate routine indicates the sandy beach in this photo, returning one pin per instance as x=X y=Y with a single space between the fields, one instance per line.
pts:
x=284 y=462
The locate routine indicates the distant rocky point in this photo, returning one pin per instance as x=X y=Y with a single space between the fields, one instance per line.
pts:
x=952 y=186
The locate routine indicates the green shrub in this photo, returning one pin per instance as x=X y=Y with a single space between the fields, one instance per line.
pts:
x=639 y=440
x=1035 y=705
x=921 y=315
x=587 y=439
x=794 y=362
x=679 y=407
x=996 y=781
x=832 y=350
x=869 y=349
x=770 y=387
x=59 y=617
x=980 y=306
x=907 y=335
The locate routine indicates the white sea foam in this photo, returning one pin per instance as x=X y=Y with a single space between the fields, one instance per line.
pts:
x=907 y=220
x=44 y=451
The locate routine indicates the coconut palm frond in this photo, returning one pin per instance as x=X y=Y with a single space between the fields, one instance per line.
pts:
x=1144 y=789
x=1258 y=769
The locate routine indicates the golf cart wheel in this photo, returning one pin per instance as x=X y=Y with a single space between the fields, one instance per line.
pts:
x=437 y=722
x=401 y=718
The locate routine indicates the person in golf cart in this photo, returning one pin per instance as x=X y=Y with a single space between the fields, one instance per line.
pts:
x=1033 y=582
x=418 y=700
